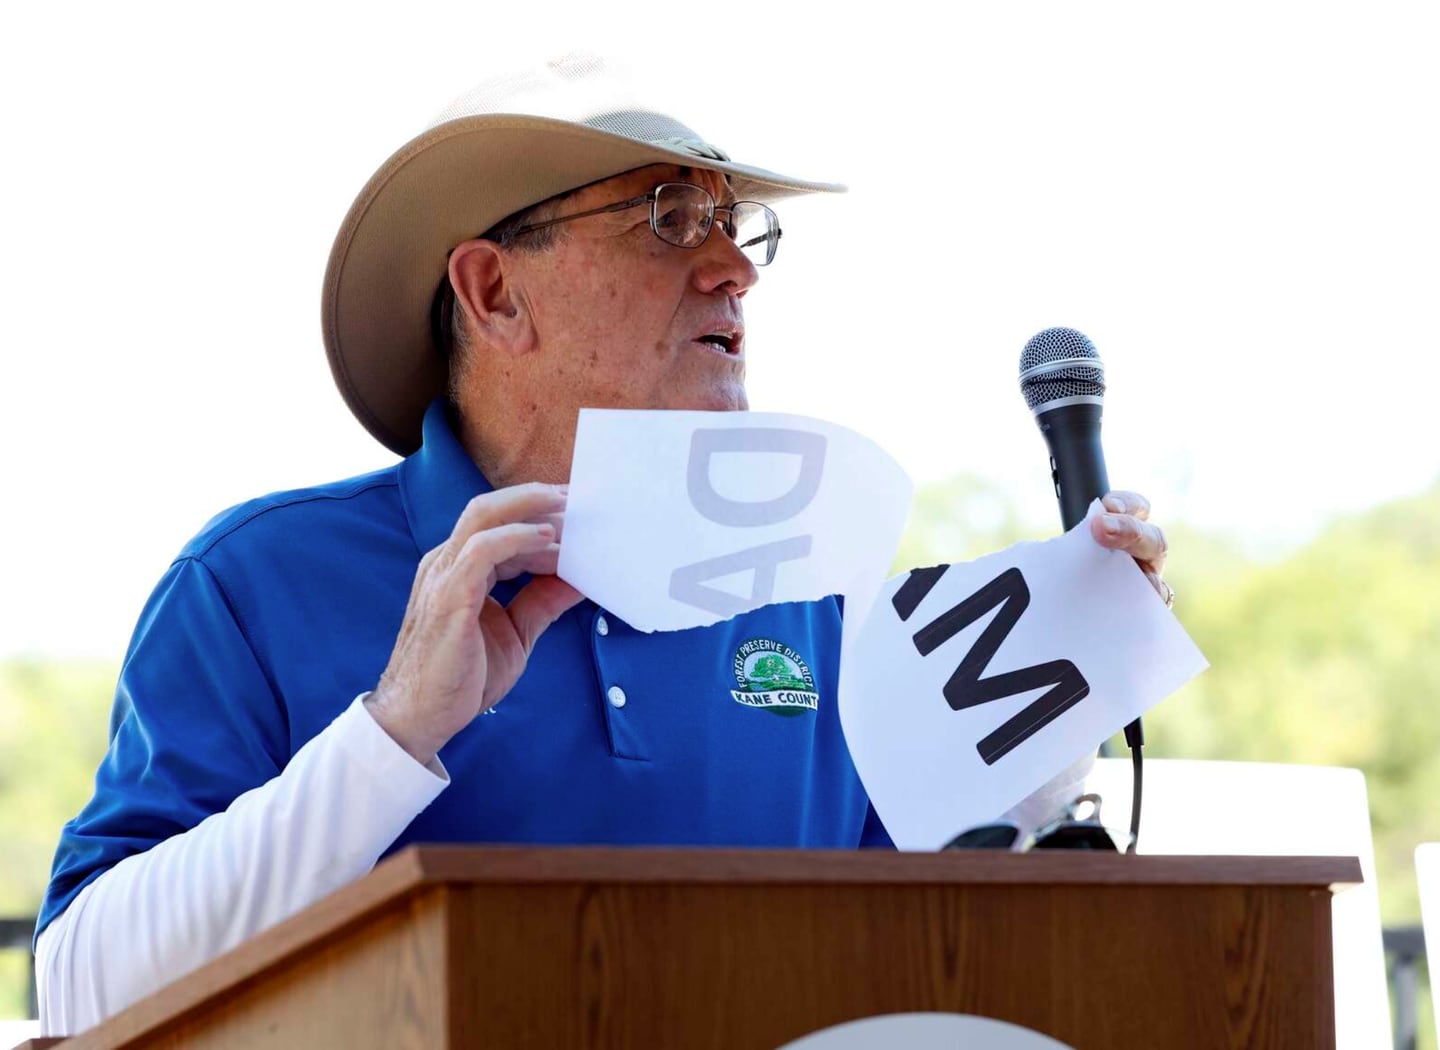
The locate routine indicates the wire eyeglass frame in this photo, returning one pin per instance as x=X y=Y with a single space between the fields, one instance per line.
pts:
x=739 y=213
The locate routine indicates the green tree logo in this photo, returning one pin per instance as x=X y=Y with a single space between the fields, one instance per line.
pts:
x=773 y=680
x=771 y=666
x=773 y=671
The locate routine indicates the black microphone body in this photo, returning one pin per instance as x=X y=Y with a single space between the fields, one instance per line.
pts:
x=1077 y=462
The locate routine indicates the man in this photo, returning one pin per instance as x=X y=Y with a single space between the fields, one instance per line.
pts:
x=312 y=670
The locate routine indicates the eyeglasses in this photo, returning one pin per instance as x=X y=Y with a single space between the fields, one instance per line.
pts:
x=683 y=214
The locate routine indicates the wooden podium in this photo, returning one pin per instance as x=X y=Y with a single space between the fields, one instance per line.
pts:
x=526 y=947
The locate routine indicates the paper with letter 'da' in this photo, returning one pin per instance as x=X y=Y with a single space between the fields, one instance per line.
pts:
x=684 y=519
x=970 y=686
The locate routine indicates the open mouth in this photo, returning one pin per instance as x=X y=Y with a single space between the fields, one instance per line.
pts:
x=726 y=342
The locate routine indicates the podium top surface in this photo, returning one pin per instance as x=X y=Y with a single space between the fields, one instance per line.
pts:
x=423 y=865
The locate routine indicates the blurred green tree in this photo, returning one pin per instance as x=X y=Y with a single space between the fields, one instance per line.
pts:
x=53 y=727
x=1329 y=657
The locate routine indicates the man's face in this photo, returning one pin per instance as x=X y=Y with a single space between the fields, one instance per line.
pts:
x=624 y=320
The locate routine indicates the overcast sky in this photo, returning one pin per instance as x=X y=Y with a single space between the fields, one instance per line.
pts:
x=1235 y=201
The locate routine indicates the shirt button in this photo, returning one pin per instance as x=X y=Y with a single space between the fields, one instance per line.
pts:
x=602 y=627
x=616 y=695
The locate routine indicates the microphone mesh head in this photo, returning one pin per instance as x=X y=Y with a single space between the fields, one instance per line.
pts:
x=1075 y=379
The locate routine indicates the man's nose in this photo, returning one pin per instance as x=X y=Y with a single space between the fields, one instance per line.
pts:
x=721 y=263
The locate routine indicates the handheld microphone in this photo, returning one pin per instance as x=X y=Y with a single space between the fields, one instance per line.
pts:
x=1063 y=380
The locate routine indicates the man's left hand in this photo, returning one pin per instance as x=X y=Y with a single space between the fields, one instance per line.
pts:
x=1126 y=526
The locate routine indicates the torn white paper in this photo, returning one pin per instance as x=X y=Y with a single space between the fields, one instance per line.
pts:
x=969 y=687
x=684 y=519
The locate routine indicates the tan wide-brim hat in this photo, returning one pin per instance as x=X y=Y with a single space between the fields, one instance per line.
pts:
x=501 y=148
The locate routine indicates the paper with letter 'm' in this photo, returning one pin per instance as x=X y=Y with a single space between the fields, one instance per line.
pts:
x=968 y=687
x=962 y=690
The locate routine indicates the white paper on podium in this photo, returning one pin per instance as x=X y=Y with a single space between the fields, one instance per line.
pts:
x=1007 y=670
x=684 y=519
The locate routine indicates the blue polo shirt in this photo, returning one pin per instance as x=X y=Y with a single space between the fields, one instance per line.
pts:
x=284 y=609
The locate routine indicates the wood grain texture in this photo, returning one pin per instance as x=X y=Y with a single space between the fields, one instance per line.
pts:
x=715 y=966
x=610 y=947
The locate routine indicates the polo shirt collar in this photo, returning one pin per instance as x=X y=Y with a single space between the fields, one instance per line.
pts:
x=438 y=481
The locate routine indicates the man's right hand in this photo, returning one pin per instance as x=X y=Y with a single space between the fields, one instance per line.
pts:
x=459 y=650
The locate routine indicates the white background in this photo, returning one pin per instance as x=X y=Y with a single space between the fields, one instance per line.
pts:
x=1235 y=201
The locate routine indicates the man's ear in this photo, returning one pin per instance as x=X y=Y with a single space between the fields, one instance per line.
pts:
x=486 y=289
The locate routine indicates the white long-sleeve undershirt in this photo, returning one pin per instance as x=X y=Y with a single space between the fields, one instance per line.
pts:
x=321 y=823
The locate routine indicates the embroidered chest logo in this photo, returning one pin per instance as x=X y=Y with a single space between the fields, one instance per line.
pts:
x=773 y=677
